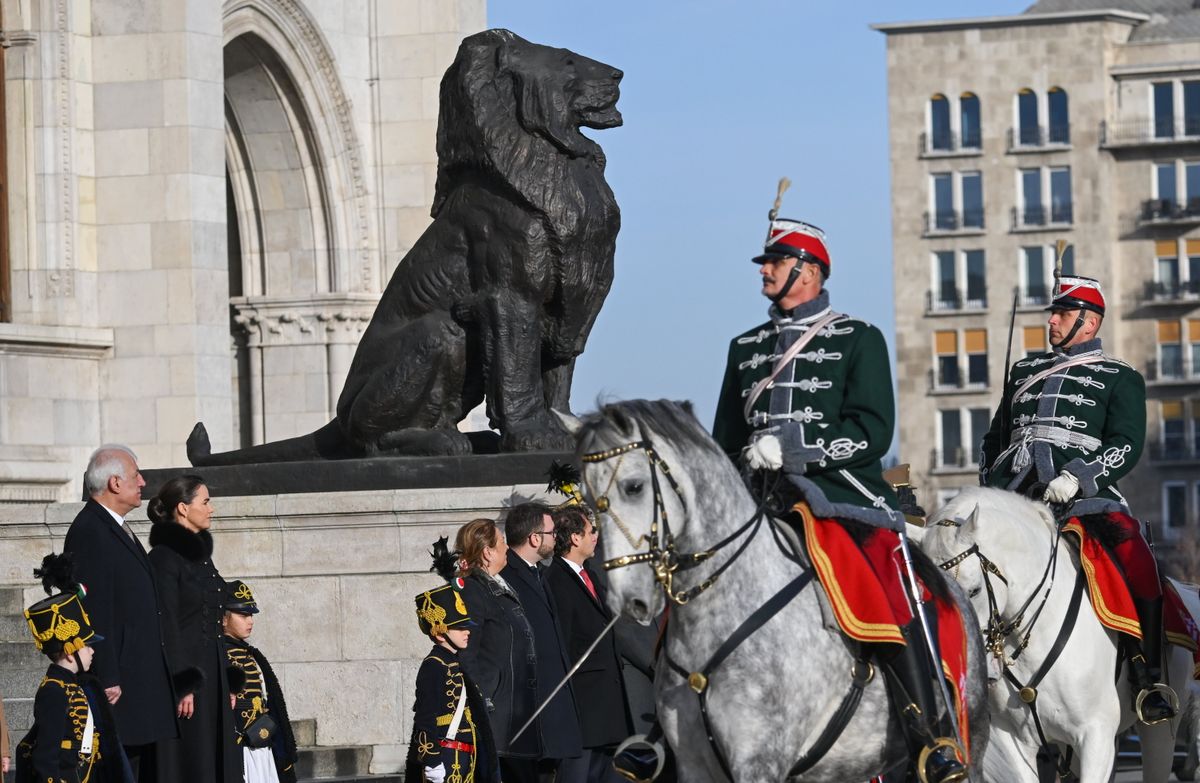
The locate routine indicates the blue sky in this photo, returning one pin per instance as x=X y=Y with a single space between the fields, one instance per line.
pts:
x=720 y=100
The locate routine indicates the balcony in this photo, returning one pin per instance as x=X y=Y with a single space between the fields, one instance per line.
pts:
x=958 y=460
x=955 y=381
x=944 y=145
x=947 y=302
x=1150 y=133
x=1172 y=292
x=1176 y=370
x=953 y=222
x=1058 y=216
x=1169 y=212
x=1039 y=139
x=1176 y=450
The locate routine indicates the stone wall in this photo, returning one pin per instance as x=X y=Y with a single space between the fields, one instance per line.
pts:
x=335 y=575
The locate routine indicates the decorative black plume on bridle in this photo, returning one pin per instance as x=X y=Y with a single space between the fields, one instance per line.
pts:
x=445 y=562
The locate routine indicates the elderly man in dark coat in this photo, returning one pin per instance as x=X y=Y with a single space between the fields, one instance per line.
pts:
x=529 y=530
x=583 y=617
x=130 y=663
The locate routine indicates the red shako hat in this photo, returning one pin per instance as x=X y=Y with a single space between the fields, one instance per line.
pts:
x=1078 y=293
x=796 y=239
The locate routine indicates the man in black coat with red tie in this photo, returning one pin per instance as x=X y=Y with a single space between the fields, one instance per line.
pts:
x=131 y=662
x=529 y=531
x=583 y=615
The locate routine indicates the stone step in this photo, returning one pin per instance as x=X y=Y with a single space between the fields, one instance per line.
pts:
x=305 y=732
x=318 y=763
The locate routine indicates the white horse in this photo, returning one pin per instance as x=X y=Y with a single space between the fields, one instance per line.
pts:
x=1084 y=700
x=776 y=692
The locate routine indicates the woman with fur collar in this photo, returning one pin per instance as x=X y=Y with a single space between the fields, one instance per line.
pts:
x=191 y=594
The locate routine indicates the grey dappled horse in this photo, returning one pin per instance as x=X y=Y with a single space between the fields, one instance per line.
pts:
x=776 y=692
x=1080 y=704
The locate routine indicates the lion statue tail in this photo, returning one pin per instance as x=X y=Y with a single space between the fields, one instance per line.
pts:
x=326 y=443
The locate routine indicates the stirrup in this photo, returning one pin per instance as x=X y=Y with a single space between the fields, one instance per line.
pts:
x=938 y=744
x=633 y=754
x=1164 y=690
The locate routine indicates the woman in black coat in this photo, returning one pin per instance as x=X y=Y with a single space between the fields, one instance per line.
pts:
x=499 y=656
x=191 y=594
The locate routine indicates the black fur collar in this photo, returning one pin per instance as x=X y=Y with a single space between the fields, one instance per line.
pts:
x=190 y=546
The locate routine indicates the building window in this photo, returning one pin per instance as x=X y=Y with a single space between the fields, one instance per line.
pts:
x=940 y=135
x=951 y=452
x=1028 y=129
x=1059 y=122
x=1191 y=108
x=1164 y=110
x=975 y=344
x=945 y=346
x=1166 y=269
x=947 y=283
x=1033 y=338
x=1174 y=504
x=1170 y=351
x=976 y=278
x=1035 y=276
x=1165 y=187
x=1033 y=185
x=1192 y=362
x=950 y=270
x=968 y=121
x=980 y=419
x=1174 y=435
x=957 y=201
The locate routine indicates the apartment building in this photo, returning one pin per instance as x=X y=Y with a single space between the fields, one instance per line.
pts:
x=1076 y=120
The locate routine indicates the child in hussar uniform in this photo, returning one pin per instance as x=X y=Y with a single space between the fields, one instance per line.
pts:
x=451 y=741
x=72 y=739
x=259 y=711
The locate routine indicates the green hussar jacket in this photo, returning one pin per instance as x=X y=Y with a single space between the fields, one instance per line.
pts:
x=832 y=410
x=1088 y=419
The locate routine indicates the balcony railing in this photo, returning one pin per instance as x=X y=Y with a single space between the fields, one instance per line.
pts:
x=954 y=459
x=1171 y=292
x=1174 y=449
x=1148 y=132
x=1178 y=369
x=943 y=222
x=1170 y=211
x=1020 y=139
x=951 y=143
x=1036 y=297
x=943 y=380
x=1024 y=218
x=952 y=301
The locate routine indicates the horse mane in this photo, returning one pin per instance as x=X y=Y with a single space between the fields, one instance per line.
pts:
x=674 y=421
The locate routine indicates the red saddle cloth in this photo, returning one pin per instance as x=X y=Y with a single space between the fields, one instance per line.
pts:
x=865 y=585
x=1107 y=588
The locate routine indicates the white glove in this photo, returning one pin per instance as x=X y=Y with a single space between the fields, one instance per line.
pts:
x=765 y=453
x=1064 y=487
x=435 y=774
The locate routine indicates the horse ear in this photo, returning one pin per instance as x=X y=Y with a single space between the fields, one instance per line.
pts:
x=570 y=422
x=686 y=405
x=973 y=518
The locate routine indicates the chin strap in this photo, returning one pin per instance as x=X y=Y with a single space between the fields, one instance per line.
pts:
x=793 y=276
x=1071 y=334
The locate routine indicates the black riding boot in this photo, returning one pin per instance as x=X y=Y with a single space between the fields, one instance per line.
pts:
x=927 y=737
x=1146 y=663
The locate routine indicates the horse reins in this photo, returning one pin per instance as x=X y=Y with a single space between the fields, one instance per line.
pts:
x=665 y=561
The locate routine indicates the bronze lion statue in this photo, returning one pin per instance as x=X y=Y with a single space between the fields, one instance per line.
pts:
x=496 y=299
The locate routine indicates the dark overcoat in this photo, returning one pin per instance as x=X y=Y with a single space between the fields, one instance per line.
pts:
x=558 y=724
x=500 y=658
x=191 y=593
x=123 y=605
x=603 y=711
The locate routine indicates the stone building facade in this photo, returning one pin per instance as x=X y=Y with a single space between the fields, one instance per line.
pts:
x=201 y=204
x=1076 y=121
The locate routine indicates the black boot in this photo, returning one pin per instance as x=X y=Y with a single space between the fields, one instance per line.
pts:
x=1146 y=664
x=930 y=739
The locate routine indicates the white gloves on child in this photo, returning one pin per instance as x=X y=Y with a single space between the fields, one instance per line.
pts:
x=1064 y=487
x=765 y=453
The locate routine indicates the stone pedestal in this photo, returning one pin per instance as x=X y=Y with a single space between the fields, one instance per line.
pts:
x=334 y=573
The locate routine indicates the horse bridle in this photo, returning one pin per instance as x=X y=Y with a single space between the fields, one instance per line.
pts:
x=661 y=554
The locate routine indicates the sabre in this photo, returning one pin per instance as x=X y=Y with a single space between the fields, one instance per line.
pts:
x=565 y=679
x=930 y=643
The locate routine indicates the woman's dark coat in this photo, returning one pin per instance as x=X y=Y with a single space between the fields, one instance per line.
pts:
x=500 y=658
x=191 y=593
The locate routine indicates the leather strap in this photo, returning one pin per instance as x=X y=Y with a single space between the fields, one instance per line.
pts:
x=1037 y=376
x=757 y=390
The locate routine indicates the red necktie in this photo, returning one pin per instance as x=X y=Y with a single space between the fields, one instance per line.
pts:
x=587 y=582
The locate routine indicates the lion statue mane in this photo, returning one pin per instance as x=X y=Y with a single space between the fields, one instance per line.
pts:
x=496 y=299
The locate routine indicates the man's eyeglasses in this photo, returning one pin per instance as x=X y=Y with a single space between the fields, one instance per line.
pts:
x=542 y=533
